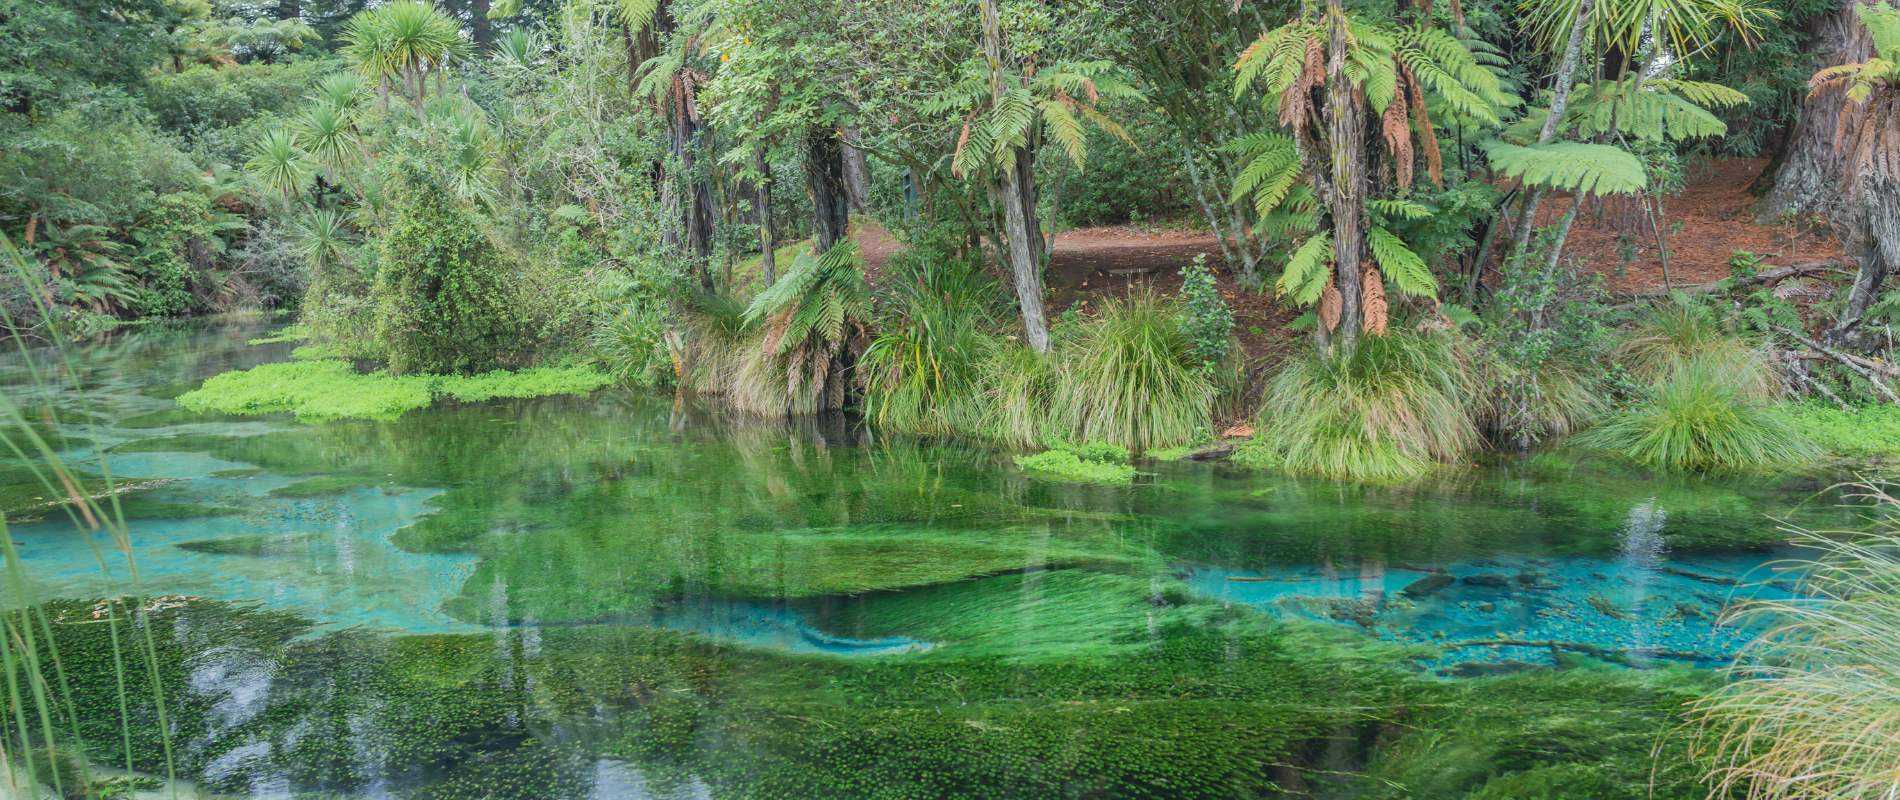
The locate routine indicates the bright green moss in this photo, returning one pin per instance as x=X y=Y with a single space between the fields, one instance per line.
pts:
x=288 y=333
x=1869 y=432
x=332 y=389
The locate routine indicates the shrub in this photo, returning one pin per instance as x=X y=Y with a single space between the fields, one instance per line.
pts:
x=1559 y=397
x=1677 y=334
x=443 y=299
x=1398 y=406
x=1209 y=323
x=1131 y=377
x=1808 y=711
x=1703 y=418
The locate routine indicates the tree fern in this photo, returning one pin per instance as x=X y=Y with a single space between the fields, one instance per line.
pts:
x=1308 y=272
x=1407 y=271
x=1570 y=166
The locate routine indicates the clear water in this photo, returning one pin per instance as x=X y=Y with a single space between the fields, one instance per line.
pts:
x=631 y=596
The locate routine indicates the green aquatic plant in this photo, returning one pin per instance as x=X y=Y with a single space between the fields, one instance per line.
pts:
x=321 y=390
x=1396 y=407
x=1080 y=465
x=1809 y=710
x=1132 y=376
x=1703 y=419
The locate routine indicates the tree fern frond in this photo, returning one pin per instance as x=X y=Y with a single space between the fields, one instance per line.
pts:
x=1401 y=209
x=1066 y=130
x=1403 y=267
x=1570 y=166
x=1308 y=272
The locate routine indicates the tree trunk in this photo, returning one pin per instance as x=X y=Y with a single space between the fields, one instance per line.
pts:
x=1016 y=181
x=1559 y=103
x=1880 y=253
x=1346 y=200
x=482 y=29
x=762 y=205
x=1808 y=178
x=697 y=202
x=857 y=173
x=824 y=179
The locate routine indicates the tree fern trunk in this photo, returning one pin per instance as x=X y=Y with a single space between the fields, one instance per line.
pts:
x=1559 y=103
x=1346 y=138
x=1880 y=201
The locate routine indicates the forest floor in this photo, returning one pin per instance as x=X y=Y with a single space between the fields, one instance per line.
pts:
x=1709 y=221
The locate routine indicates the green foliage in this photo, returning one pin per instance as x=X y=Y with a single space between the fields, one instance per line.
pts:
x=320 y=390
x=1132 y=376
x=444 y=299
x=1068 y=465
x=1209 y=322
x=1807 y=711
x=1860 y=432
x=1400 y=405
x=921 y=372
x=1570 y=166
x=1703 y=418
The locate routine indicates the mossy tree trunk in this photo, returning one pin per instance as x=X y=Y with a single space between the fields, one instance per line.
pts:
x=1346 y=184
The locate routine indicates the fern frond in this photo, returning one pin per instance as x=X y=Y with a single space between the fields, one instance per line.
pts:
x=1407 y=271
x=1308 y=272
x=1570 y=166
x=1401 y=209
x=1066 y=130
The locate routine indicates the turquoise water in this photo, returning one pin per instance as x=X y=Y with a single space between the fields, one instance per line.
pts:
x=632 y=596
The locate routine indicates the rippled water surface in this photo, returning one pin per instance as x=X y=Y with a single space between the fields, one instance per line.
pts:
x=627 y=596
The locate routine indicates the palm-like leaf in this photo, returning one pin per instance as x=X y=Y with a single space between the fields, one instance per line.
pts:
x=278 y=164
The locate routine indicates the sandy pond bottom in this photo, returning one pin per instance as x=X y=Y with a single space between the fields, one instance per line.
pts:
x=615 y=596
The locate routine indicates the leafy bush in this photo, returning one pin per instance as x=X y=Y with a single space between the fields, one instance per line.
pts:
x=1209 y=322
x=1131 y=376
x=443 y=298
x=1703 y=417
x=1808 y=711
x=1398 y=406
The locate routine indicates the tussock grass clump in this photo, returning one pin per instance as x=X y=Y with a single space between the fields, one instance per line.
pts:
x=1131 y=377
x=1018 y=389
x=1400 y=405
x=1812 y=707
x=923 y=372
x=1677 y=335
x=1703 y=418
x=1558 y=398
